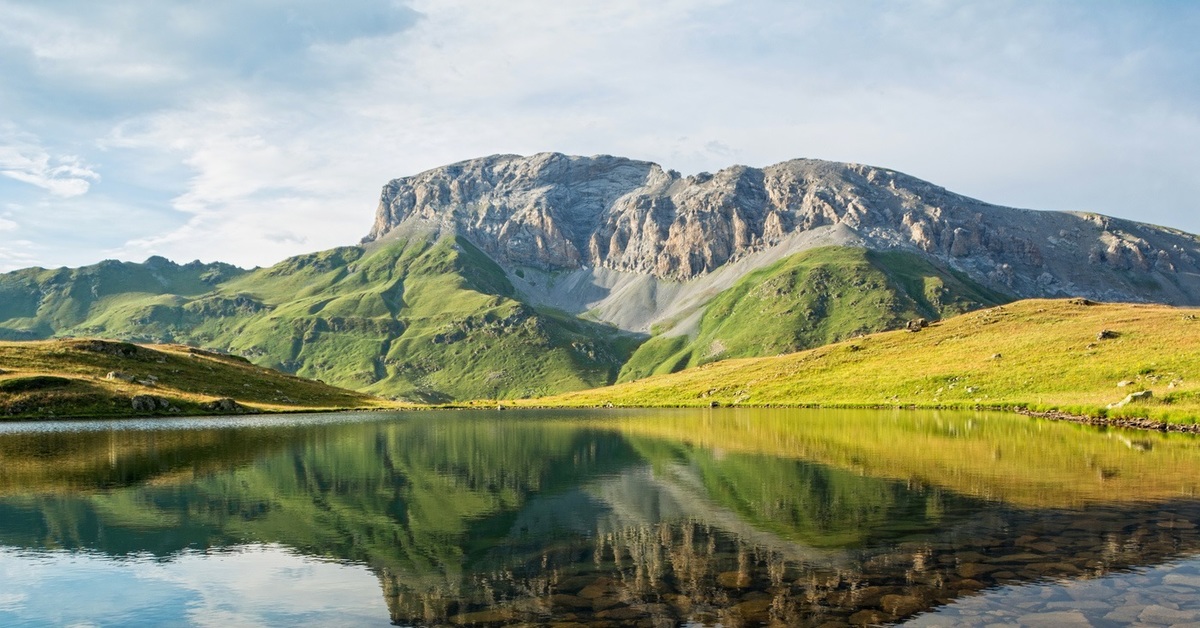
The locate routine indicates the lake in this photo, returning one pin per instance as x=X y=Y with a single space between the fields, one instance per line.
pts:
x=609 y=518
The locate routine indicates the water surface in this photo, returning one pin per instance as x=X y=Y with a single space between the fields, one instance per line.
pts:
x=655 y=518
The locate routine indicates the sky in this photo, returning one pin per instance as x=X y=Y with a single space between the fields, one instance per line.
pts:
x=249 y=585
x=248 y=131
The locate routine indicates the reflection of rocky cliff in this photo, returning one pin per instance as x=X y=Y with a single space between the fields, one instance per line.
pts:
x=469 y=519
x=665 y=573
x=558 y=212
x=643 y=547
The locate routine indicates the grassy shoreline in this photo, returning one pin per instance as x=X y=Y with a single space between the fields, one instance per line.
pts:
x=1065 y=359
x=1070 y=360
x=104 y=379
x=1137 y=423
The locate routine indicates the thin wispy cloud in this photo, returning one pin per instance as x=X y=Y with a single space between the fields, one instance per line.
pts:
x=23 y=159
x=15 y=253
x=250 y=131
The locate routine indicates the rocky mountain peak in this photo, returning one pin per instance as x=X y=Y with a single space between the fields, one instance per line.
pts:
x=557 y=212
x=543 y=208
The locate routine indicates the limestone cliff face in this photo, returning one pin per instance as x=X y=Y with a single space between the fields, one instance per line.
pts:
x=556 y=212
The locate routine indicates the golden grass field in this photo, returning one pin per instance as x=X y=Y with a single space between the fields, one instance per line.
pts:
x=1037 y=355
x=70 y=378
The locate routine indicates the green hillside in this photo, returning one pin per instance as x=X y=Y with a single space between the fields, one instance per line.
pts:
x=422 y=320
x=1067 y=355
x=813 y=299
x=36 y=303
x=103 y=378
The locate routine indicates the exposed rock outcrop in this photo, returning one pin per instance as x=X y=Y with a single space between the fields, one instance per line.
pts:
x=107 y=347
x=557 y=212
x=151 y=404
x=225 y=404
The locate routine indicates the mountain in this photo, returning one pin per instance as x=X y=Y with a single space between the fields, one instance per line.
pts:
x=513 y=276
x=811 y=299
x=39 y=303
x=426 y=319
x=560 y=213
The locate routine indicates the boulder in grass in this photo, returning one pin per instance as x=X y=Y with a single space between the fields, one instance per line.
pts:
x=149 y=403
x=107 y=347
x=1141 y=395
x=224 y=404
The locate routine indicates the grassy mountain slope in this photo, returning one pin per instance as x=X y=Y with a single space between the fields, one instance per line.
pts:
x=38 y=303
x=812 y=299
x=427 y=320
x=98 y=378
x=1066 y=355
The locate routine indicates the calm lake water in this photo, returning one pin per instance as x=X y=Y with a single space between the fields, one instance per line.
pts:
x=648 y=518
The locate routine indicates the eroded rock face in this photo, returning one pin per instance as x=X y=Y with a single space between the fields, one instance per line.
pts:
x=554 y=212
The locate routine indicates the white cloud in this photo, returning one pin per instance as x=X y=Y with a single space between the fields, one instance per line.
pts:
x=249 y=585
x=16 y=254
x=260 y=189
x=23 y=159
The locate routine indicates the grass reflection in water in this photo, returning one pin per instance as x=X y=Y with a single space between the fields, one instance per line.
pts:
x=793 y=516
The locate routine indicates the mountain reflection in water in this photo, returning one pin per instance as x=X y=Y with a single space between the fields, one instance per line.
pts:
x=795 y=517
